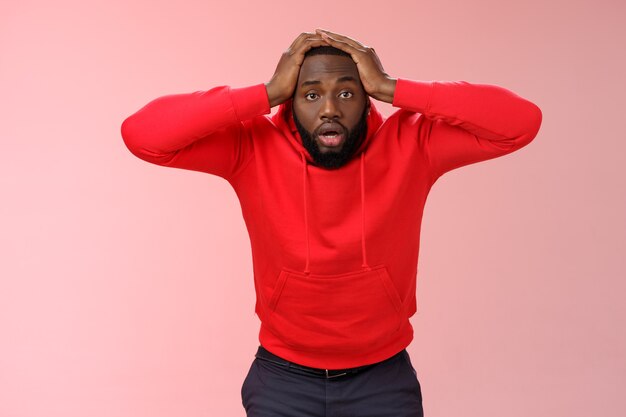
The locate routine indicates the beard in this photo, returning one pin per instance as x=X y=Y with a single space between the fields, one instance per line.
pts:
x=334 y=159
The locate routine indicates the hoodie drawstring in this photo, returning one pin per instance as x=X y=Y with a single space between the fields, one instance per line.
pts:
x=364 y=264
x=306 y=213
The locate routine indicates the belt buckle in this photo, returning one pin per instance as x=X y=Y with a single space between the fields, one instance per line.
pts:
x=328 y=376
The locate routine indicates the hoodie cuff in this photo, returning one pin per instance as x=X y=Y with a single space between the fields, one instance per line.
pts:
x=249 y=102
x=413 y=95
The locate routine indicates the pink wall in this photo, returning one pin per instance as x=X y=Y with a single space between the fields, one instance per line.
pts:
x=126 y=288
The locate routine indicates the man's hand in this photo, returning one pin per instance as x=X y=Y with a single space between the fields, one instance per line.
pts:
x=282 y=85
x=376 y=82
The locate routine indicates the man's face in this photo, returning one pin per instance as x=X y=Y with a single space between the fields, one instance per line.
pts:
x=330 y=109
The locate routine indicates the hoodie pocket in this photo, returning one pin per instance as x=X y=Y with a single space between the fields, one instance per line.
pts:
x=341 y=312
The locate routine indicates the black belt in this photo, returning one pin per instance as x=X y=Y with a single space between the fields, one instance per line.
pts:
x=266 y=355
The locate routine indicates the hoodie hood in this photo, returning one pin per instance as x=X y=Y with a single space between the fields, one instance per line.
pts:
x=284 y=120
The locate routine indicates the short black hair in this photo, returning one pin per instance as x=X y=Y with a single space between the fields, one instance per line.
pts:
x=326 y=50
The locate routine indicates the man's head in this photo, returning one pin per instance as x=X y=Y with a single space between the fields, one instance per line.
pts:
x=330 y=106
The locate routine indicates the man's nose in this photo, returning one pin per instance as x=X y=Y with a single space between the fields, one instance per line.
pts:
x=330 y=109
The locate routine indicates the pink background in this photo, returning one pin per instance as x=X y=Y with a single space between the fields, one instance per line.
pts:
x=126 y=288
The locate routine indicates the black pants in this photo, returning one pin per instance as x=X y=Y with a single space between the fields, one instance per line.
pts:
x=387 y=389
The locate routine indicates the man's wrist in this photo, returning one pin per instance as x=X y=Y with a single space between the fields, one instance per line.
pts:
x=272 y=96
x=387 y=90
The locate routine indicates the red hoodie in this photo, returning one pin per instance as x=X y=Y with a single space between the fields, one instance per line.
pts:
x=334 y=251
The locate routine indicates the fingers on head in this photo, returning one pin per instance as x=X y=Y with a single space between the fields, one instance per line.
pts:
x=309 y=46
x=352 y=42
x=312 y=42
x=299 y=39
x=304 y=42
x=308 y=35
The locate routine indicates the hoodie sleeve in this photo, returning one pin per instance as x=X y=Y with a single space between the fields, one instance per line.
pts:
x=200 y=131
x=464 y=123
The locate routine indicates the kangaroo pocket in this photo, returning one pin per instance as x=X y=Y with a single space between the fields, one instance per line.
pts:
x=334 y=312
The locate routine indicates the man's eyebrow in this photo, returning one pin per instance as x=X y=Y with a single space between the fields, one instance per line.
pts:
x=339 y=80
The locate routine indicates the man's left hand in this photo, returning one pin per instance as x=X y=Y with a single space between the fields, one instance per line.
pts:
x=376 y=82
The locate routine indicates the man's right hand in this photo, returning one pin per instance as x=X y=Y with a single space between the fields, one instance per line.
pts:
x=282 y=85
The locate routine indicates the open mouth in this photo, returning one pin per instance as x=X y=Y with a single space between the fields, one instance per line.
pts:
x=331 y=135
x=331 y=139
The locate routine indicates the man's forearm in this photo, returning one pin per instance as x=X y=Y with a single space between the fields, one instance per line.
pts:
x=173 y=122
x=488 y=111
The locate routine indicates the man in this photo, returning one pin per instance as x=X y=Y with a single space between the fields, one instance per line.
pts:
x=332 y=195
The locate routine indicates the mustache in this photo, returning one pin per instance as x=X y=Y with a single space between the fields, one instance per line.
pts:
x=335 y=125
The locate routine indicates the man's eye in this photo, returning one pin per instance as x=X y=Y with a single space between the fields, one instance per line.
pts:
x=345 y=94
x=308 y=96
